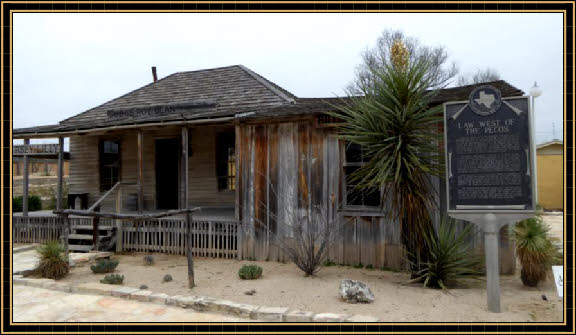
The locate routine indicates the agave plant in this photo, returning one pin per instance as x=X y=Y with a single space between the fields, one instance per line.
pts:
x=53 y=262
x=398 y=130
x=450 y=256
x=536 y=250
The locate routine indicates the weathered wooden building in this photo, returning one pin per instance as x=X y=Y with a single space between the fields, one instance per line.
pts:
x=242 y=148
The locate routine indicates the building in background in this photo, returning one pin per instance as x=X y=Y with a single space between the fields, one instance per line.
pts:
x=550 y=163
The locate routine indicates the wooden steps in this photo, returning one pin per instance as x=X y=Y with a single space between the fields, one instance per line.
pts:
x=81 y=237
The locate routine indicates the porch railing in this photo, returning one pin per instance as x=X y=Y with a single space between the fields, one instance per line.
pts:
x=218 y=238
x=39 y=229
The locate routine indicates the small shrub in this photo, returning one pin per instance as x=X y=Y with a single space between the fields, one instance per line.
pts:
x=330 y=262
x=34 y=203
x=369 y=267
x=53 y=262
x=113 y=279
x=536 y=249
x=104 y=266
x=449 y=256
x=358 y=266
x=250 y=271
x=166 y=278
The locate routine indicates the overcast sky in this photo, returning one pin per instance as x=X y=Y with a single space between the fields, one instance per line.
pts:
x=65 y=64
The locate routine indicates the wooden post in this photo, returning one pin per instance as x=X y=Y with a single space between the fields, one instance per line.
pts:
x=140 y=173
x=96 y=232
x=60 y=174
x=66 y=222
x=184 y=179
x=25 y=184
x=189 y=250
x=119 y=233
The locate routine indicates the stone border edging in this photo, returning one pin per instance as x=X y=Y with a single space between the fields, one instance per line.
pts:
x=198 y=303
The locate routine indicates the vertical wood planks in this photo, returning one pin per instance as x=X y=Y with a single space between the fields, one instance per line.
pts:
x=260 y=172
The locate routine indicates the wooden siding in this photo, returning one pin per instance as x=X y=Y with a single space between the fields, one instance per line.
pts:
x=288 y=169
x=202 y=185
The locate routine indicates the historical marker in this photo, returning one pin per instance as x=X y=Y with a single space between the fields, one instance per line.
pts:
x=489 y=168
x=489 y=156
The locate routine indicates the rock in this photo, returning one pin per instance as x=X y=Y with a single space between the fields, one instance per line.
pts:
x=141 y=296
x=251 y=292
x=298 y=316
x=124 y=292
x=143 y=287
x=330 y=317
x=167 y=278
x=354 y=291
x=273 y=314
x=362 y=318
x=148 y=260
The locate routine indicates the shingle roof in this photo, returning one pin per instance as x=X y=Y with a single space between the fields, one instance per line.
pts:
x=213 y=93
x=232 y=88
x=319 y=105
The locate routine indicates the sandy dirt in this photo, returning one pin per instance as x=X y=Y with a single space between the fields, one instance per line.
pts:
x=284 y=285
x=556 y=224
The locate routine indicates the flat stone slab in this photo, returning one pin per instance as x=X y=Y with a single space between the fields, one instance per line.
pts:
x=173 y=300
x=330 y=317
x=141 y=296
x=185 y=301
x=124 y=291
x=24 y=262
x=264 y=313
x=79 y=259
x=298 y=316
x=238 y=309
x=159 y=298
x=94 y=288
x=203 y=304
x=362 y=318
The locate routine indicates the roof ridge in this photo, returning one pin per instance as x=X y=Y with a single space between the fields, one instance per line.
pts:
x=268 y=84
x=208 y=69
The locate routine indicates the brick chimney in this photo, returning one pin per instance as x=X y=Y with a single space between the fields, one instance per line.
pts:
x=154 y=73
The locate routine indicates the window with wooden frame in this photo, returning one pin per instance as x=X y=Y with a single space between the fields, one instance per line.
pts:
x=109 y=163
x=358 y=198
x=226 y=161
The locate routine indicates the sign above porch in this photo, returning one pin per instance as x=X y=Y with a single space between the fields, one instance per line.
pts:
x=35 y=149
x=161 y=110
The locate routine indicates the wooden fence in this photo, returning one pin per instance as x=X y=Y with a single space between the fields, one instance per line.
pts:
x=210 y=238
x=217 y=239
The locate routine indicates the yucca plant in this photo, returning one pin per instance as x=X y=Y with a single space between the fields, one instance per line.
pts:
x=398 y=130
x=53 y=262
x=536 y=250
x=450 y=256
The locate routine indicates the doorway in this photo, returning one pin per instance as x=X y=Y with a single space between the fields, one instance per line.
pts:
x=167 y=153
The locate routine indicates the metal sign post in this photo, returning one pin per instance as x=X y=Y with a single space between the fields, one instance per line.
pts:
x=490 y=168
